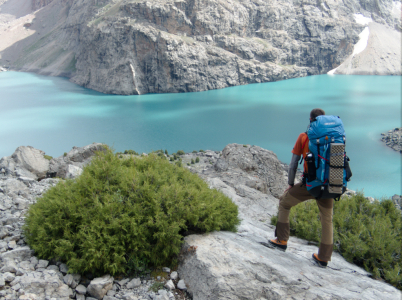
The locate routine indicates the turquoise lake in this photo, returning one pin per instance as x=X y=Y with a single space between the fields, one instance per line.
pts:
x=54 y=115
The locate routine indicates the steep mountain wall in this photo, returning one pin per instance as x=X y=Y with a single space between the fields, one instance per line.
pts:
x=140 y=46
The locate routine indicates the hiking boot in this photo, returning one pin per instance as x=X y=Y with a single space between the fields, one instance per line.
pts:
x=319 y=262
x=276 y=244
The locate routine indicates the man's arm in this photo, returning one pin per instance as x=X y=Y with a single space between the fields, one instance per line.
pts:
x=292 y=169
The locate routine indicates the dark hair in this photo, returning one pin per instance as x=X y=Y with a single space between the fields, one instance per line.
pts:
x=316 y=112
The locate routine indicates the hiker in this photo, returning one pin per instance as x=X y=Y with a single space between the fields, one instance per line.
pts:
x=297 y=193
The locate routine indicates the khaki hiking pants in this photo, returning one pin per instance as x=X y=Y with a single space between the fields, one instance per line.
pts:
x=298 y=194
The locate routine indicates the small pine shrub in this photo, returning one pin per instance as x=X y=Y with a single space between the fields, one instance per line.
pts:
x=48 y=157
x=171 y=159
x=180 y=152
x=65 y=154
x=197 y=160
x=156 y=286
x=201 y=151
x=192 y=161
x=121 y=214
x=137 y=267
x=174 y=156
x=194 y=151
x=132 y=152
x=245 y=146
x=366 y=234
x=166 y=152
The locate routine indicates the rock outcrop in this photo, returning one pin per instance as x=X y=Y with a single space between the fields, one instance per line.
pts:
x=139 y=47
x=70 y=165
x=25 y=162
x=219 y=265
x=225 y=265
x=393 y=139
x=28 y=163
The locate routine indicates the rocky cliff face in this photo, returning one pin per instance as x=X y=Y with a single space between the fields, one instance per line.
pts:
x=138 y=47
x=37 y=4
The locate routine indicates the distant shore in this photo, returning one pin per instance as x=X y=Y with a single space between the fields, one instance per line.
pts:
x=393 y=139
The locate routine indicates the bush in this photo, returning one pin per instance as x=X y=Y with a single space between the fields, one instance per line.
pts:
x=132 y=152
x=194 y=151
x=180 y=152
x=65 y=154
x=197 y=160
x=123 y=213
x=192 y=161
x=166 y=152
x=48 y=157
x=366 y=234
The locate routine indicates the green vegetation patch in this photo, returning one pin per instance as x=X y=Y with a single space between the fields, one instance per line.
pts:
x=124 y=213
x=366 y=234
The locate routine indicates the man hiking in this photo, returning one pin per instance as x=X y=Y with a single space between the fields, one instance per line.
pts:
x=297 y=193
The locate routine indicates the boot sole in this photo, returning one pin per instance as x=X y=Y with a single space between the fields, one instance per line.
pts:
x=318 y=263
x=268 y=245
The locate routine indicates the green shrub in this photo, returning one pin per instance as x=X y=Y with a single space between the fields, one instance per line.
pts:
x=197 y=160
x=166 y=152
x=180 y=152
x=65 y=154
x=366 y=234
x=120 y=213
x=174 y=156
x=156 y=286
x=192 y=161
x=48 y=157
x=194 y=151
x=201 y=151
x=132 y=152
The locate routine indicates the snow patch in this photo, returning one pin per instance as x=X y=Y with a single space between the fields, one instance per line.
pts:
x=360 y=19
x=362 y=43
x=363 y=38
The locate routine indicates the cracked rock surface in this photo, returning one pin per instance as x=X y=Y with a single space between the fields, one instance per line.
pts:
x=226 y=265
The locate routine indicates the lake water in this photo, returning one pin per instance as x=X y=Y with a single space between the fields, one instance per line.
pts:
x=54 y=115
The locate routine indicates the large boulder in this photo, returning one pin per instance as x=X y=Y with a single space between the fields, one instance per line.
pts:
x=227 y=265
x=100 y=286
x=263 y=171
x=70 y=165
x=26 y=161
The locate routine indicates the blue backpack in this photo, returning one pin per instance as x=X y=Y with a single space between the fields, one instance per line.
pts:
x=327 y=163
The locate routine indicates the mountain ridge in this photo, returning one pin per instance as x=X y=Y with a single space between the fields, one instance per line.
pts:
x=138 y=47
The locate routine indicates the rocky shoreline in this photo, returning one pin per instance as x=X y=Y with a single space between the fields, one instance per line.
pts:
x=393 y=139
x=213 y=266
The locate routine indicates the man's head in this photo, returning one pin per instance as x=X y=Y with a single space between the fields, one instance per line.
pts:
x=315 y=113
